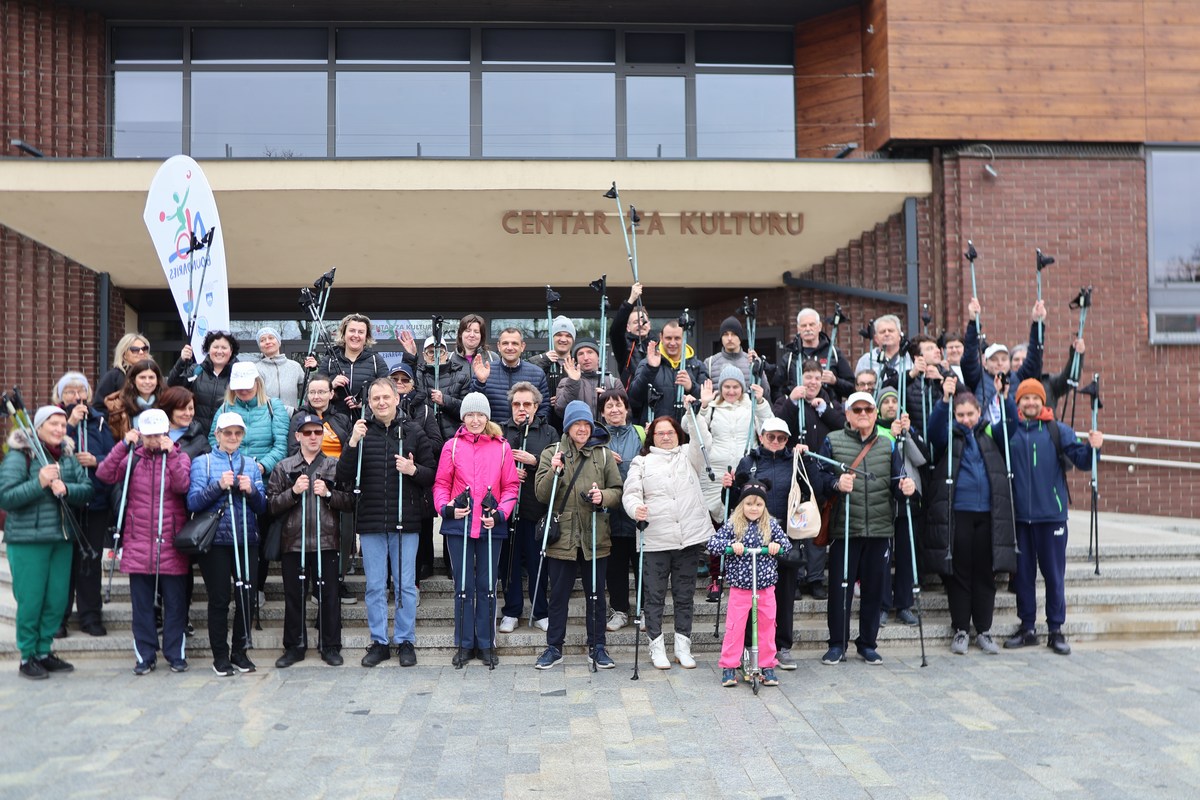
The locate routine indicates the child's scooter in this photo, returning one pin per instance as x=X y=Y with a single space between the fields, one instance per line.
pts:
x=750 y=670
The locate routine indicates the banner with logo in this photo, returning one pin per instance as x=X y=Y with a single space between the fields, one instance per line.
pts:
x=181 y=215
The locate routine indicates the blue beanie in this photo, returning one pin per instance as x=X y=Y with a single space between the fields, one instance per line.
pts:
x=577 y=411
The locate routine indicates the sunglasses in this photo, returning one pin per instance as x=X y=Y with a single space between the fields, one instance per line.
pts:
x=862 y=409
x=139 y=349
x=775 y=437
x=403 y=379
x=312 y=432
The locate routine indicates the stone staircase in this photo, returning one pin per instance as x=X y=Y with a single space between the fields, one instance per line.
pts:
x=1148 y=588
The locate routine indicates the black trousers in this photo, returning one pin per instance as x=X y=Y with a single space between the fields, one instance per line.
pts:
x=562 y=581
x=971 y=587
x=329 y=615
x=87 y=577
x=621 y=559
x=868 y=560
x=785 y=604
x=216 y=567
x=898 y=588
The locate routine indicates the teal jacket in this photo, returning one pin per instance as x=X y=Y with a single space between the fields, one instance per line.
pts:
x=266 y=431
x=33 y=513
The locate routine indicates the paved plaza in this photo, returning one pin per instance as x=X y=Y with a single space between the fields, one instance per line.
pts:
x=1112 y=720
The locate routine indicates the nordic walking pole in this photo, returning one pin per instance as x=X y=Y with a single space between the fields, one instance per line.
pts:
x=721 y=565
x=754 y=668
x=595 y=595
x=836 y=322
x=840 y=465
x=516 y=513
x=847 y=595
x=116 y=547
x=487 y=509
x=436 y=331
x=1043 y=261
x=320 y=578
x=971 y=255
x=462 y=576
x=252 y=593
x=237 y=564
x=686 y=323
x=162 y=492
x=1002 y=393
x=750 y=308
x=304 y=558
x=637 y=634
x=358 y=469
x=1083 y=302
x=703 y=450
x=912 y=548
x=601 y=286
x=400 y=506
x=546 y=530
x=1094 y=522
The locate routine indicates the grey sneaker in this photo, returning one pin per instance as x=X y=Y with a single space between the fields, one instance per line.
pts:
x=984 y=642
x=784 y=660
x=960 y=643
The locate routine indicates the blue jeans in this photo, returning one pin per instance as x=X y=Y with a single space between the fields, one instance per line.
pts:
x=377 y=550
x=475 y=611
x=524 y=548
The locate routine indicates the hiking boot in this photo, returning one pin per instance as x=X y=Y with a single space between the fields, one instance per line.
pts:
x=714 y=593
x=1056 y=642
x=179 y=666
x=985 y=643
x=461 y=656
x=618 y=620
x=1021 y=639
x=870 y=655
x=53 y=663
x=406 y=654
x=223 y=668
x=834 y=655
x=332 y=657
x=729 y=676
x=599 y=656
x=377 y=653
x=768 y=677
x=906 y=616
x=290 y=656
x=508 y=624
x=346 y=596
x=144 y=667
x=960 y=643
x=488 y=656
x=241 y=662
x=550 y=657
x=784 y=660
x=33 y=670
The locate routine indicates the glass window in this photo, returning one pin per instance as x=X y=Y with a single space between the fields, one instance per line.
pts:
x=1174 y=211
x=729 y=48
x=147 y=114
x=403 y=45
x=545 y=46
x=403 y=114
x=155 y=45
x=655 y=117
x=259 y=114
x=549 y=115
x=745 y=116
x=655 y=48
x=276 y=45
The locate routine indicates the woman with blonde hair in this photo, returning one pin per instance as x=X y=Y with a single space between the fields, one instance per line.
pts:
x=354 y=366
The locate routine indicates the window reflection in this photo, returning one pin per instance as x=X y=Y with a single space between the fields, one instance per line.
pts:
x=745 y=116
x=403 y=114
x=147 y=114
x=258 y=114
x=1175 y=217
x=655 y=117
x=548 y=114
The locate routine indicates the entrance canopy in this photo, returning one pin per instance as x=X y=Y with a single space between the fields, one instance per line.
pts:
x=451 y=223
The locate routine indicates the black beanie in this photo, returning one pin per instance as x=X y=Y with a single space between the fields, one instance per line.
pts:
x=111 y=381
x=731 y=324
x=755 y=488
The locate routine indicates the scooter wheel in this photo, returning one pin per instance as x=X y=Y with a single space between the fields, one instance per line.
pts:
x=754 y=684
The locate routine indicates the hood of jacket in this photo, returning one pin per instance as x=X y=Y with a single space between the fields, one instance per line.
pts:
x=17 y=440
x=688 y=355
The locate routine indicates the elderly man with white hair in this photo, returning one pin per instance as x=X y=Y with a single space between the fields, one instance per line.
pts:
x=811 y=342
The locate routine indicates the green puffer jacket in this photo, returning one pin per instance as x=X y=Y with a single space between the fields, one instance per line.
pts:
x=872 y=505
x=575 y=514
x=33 y=513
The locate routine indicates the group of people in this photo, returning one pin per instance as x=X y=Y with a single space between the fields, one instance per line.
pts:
x=647 y=463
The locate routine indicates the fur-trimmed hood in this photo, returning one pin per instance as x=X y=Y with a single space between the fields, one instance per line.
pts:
x=18 y=440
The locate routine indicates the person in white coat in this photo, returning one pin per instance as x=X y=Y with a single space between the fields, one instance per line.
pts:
x=663 y=489
x=728 y=416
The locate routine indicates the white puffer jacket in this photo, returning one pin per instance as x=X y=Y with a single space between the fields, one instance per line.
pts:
x=730 y=426
x=667 y=482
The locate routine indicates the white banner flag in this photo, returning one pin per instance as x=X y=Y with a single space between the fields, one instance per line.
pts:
x=181 y=215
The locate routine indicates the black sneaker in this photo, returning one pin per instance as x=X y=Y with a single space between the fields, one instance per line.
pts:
x=488 y=656
x=179 y=666
x=601 y=658
x=290 y=656
x=1021 y=639
x=551 y=657
x=241 y=662
x=407 y=654
x=223 y=668
x=377 y=653
x=94 y=629
x=818 y=591
x=461 y=656
x=332 y=657
x=61 y=633
x=144 y=667
x=1058 y=643
x=33 y=670
x=345 y=595
x=53 y=663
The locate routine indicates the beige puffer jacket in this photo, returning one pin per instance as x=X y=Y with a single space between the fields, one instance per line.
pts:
x=729 y=425
x=667 y=482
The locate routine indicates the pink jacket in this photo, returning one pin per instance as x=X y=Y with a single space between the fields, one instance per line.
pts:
x=139 y=539
x=478 y=461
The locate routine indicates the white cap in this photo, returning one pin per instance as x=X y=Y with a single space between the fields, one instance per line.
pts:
x=776 y=425
x=864 y=396
x=242 y=376
x=430 y=342
x=230 y=419
x=153 y=421
x=993 y=349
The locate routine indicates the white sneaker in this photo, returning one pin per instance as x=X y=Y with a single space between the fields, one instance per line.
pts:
x=543 y=623
x=618 y=620
x=262 y=599
x=508 y=625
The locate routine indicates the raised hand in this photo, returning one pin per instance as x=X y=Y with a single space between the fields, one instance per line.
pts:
x=571 y=368
x=481 y=367
x=653 y=356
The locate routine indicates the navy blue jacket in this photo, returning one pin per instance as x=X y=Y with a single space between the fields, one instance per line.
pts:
x=1039 y=485
x=502 y=379
x=976 y=377
x=99 y=443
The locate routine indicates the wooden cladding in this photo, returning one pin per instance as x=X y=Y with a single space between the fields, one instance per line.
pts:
x=1031 y=70
x=829 y=107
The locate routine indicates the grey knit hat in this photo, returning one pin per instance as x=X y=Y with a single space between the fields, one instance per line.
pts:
x=732 y=373
x=476 y=403
x=44 y=413
x=562 y=325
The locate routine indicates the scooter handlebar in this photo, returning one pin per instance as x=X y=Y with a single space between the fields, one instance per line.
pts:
x=762 y=551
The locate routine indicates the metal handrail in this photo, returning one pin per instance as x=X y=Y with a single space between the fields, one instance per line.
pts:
x=1134 y=441
x=1149 y=462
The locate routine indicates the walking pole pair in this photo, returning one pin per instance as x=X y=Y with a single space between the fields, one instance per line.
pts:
x=601 y=286
x=902 y=441
x=241 y=573
x=1093 y=391
x=462 y=501
x=550 y=515
x=630 y=237
x=487 y=508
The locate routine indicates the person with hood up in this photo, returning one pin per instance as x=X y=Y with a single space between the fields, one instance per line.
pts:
x=666 y=366
x=282 y=377
x=209 y=379
x=588 y=483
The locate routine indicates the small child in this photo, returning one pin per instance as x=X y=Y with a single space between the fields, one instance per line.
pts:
x=744 y=531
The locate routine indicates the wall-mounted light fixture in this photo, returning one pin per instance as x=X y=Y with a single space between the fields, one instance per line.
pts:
x=24 y=146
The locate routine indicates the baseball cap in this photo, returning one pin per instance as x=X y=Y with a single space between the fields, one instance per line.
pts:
x=242 y=376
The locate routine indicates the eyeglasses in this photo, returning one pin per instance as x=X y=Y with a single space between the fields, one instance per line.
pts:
x=133 y=349
x=312 y=432
x=318 y=392
x=862 y=409
x=775 y=437
x=231 y=432
x=664 y=434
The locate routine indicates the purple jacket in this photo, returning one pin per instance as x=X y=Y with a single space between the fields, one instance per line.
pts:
x=139 y=539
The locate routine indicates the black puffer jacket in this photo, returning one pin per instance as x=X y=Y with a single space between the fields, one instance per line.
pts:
x=208 y=387
x=816 y=425
x=377 y=502
x=194 y=441
x=541 y=435
x=452 y=379
x=367 y=367
x=415 y=406
x=793 y=356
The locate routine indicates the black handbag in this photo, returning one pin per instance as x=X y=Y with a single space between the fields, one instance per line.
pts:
x=197 y=534
x=555 y=532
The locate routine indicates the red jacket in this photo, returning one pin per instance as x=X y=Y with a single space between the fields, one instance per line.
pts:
x=479 y=461
x=139 y=539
